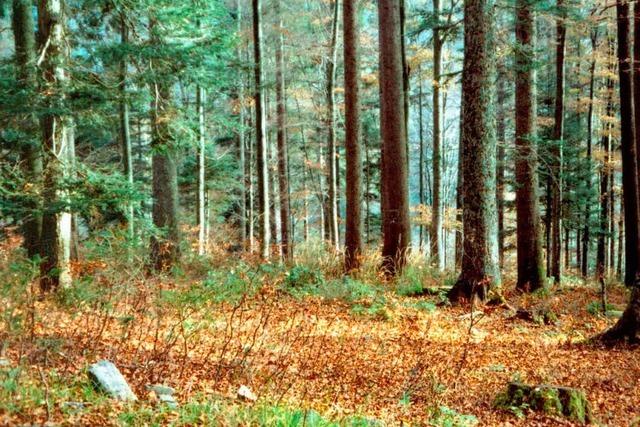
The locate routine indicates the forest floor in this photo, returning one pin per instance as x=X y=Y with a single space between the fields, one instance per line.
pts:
x=315 y=350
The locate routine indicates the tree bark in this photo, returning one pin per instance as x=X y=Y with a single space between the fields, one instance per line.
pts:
x=125 y=131
x=396 y=227
x=480 y=271
x=435 y=231
x=57 y=143
x=283 y=156
x=202 y=218
x=31 y=150
x=586 y=232
x=556 y=152
x=353 y=131
x=332 y=172
x=531 y=274
x=261 y=142
x=628 y=326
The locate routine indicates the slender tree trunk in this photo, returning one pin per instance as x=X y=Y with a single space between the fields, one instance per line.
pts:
x=283 y=157
x=556 y=152
x=125 y=132
x=31 y=150
x=460 y=194
x=502 y=140
x=531 y=274
x=421 y=165
x=241 y=138
x=261 y=142
x=480 y=271
x=57 y=142
x=353 y=130
x=435 y=231
x=586 y=233
x=332 y=172
x=396 y=227
x=605 y=188
x=202 y=217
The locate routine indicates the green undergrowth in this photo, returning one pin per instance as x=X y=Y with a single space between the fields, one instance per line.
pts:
x=27 y=393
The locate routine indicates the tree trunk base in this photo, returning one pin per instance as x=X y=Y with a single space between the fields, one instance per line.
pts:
x=567 y=402
x=628 y=327
x=466 y=290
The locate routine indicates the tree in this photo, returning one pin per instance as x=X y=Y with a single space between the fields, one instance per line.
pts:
x=556 y=152
x=396 y=228
x=125 y=131
x=353 y=130
x=628 y=326
x=31 y=150
x=165 y=243
x=529 y=244
x=283 y=155
x=58 y=146
x=479 y=272
x=261 y=142
x=435 y=230
x=332 y=172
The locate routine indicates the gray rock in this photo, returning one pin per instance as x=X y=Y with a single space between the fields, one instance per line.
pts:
x=164 y=394
x=108 y=378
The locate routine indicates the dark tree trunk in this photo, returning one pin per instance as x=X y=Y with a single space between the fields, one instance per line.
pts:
x=629 y=324
x=500 y=163
x=353 y=130
x=435 y=231
x=480 y=271
x=31 y=150
x=165 y=246
x=531 y=274
x=396 y=227
x=556 y=152
x=283 y=155
x=262 y=167
x=332 y=172
x=586 y=232
x=605 y=188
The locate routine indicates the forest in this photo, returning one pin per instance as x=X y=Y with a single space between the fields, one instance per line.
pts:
x=319 y=212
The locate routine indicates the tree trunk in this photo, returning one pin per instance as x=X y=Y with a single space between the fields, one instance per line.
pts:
x=353 y=130
x=31 y=150
x=586 y=232
x=480 y=272
x=283 y=156
x=241 y=138
x=605 y=188
x=165 y=248
x=421 y=162
x=396 y=227
x=202 y=219
x=58 y=145
x=332 y=172
x=125 y=133
x=629 y=324
x=460 y=194
x=556 y=152
x=261 y=142
x=531 y=274
x=500 y=171
x=435 y=231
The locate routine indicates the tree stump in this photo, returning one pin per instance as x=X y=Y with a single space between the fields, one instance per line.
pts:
x=553 y=400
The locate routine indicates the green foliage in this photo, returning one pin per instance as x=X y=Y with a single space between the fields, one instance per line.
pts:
x=443 y=416
x=301 y=276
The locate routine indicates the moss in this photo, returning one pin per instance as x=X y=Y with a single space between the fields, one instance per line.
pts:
x=568 y=402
